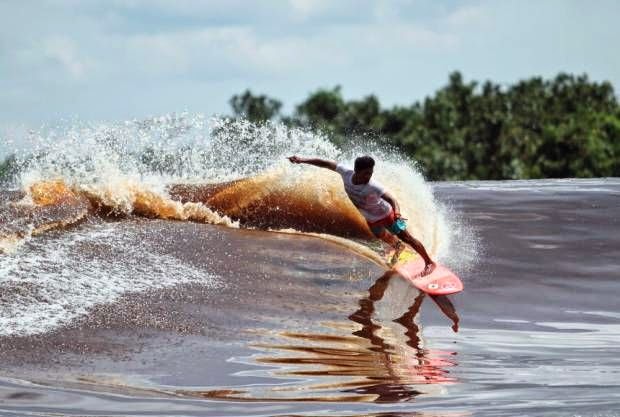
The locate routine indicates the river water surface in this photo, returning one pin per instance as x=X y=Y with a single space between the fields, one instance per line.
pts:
x=255 y=296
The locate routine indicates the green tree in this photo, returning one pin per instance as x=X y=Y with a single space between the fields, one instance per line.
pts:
x=255 y=108
x=567 y=126
x=321 y=109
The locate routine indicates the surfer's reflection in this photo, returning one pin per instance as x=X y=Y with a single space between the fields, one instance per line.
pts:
x=343 y=362
x=377 y=290
x=408 y=364
x=363 y=316
x=448 y=309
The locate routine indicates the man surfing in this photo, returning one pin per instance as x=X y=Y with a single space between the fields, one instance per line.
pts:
x=382 y=213
x=378 y=206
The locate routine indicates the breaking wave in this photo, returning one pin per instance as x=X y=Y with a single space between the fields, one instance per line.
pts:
x=218 y=171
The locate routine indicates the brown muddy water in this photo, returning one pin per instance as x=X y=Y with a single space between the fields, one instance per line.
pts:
x=105 y=313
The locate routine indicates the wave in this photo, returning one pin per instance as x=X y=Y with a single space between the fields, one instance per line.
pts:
x=232 y=173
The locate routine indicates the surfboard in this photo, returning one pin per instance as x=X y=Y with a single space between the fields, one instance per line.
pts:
x=441 y=281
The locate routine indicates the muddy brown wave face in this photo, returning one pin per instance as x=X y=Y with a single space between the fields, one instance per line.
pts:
x=256 y=202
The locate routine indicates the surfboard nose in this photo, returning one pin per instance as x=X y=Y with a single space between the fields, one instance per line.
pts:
x=440 y=281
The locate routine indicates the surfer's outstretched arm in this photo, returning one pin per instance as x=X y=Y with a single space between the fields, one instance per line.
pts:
x=323 y=163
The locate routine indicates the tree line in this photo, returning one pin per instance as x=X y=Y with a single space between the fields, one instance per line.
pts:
x=567 y=126
x=563 y=127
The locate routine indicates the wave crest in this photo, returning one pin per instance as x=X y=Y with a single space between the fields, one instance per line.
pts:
x=232 y=173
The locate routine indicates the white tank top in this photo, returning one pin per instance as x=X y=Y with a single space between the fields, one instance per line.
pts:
x=366 y=197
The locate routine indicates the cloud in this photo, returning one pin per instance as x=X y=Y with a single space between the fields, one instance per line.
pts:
x=328 y=12
x=467 y=16
x=232 y=52
x=216 y=53
x=170 y=54
x=307 y=8
x=132 y=39
x=63 y=50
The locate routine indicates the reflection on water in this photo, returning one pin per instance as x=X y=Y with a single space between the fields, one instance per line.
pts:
x=381 y=361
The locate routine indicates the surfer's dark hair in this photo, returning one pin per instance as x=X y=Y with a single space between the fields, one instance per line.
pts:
x=364 y=162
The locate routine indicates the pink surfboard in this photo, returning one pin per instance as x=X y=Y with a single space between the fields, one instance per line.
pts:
x=441 y=281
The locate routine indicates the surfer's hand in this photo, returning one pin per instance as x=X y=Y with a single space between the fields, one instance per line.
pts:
x=295 y=159
x=399 y=216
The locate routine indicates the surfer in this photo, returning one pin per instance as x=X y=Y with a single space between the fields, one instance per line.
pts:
x=382 y=213
x=378 y=206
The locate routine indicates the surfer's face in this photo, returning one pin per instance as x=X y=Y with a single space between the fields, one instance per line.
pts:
x=363 y=175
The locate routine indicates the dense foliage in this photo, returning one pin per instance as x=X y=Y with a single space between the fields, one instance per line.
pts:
x=565 y=127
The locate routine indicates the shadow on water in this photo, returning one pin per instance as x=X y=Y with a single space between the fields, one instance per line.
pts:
x=380 y=360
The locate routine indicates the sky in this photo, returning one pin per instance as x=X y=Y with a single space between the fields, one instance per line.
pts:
x=115 y=60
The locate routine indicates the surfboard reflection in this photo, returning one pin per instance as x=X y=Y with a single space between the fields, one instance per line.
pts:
x=367 y=358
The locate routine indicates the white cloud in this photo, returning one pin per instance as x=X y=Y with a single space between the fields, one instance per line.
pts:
x=63 y=50
x=307 y=8
x=212 y=52
x=423 y=37
x=467 y=16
